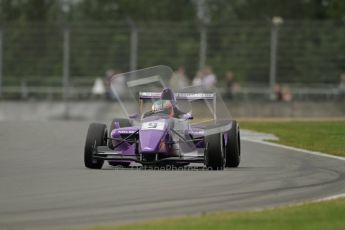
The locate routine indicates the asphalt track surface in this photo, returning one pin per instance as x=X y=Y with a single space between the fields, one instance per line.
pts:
x=43 y=182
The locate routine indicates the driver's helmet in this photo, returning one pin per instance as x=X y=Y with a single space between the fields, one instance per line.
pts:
x=164 y=106
x=168 y=94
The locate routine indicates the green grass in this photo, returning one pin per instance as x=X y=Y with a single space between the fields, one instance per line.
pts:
x=323 y=215
x=322 y=136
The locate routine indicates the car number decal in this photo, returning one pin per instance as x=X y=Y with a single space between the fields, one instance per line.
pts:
x=153 y=125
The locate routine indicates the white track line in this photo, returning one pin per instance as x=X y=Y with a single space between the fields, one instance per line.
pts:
x=332 y=197
x=341 y=195
x=297 y=204
x=296 y=149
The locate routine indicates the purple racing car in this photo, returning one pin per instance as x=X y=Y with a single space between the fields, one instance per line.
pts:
x=161 y=131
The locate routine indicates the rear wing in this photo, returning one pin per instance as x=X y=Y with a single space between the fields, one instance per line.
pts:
x=179 y=96
x=185 y=96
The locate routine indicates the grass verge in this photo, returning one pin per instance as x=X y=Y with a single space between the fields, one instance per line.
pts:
x=322 y=136
x=322 y=215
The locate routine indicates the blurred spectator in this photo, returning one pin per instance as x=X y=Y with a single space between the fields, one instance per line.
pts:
x=198 y=78
x=232 y=87
x=108 y=75
x=209 y=78
x=114 y=81
x=178 y=79
x=342 y=85
x=286 y=94
x=98 y=89
x=278 y=92
x=205 y=78
x=24 y=89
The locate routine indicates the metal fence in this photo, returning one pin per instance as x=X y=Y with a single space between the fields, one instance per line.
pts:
x=47 y=58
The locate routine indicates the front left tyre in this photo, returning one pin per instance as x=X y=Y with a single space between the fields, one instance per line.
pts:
x=233 y=147
x=96 y=136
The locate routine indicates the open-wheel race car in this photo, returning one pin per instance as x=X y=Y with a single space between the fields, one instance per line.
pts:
x=162 y=127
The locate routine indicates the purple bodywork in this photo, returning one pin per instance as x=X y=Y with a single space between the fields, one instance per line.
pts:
x=154 y=139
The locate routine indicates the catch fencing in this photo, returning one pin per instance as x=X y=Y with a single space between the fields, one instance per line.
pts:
x=47 y=59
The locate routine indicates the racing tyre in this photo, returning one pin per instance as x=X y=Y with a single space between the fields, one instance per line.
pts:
x=123 y=123
x=233 y=147
x=214 y=154
x=96 y=136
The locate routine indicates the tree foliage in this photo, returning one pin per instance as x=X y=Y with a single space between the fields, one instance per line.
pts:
x=312 y=37
x=169 y=10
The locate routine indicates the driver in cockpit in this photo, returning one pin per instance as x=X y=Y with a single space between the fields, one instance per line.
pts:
x=167 y=105
x=163 y=106
x=168 y=95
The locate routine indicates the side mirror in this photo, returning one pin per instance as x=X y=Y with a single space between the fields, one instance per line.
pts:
x=134 y=116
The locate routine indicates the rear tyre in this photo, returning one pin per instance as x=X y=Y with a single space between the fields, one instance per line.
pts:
x=214 y=154
x=233 y=147
x=96 y=136
x=123 y=123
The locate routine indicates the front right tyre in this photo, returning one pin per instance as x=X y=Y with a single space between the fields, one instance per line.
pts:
x=96 y=136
